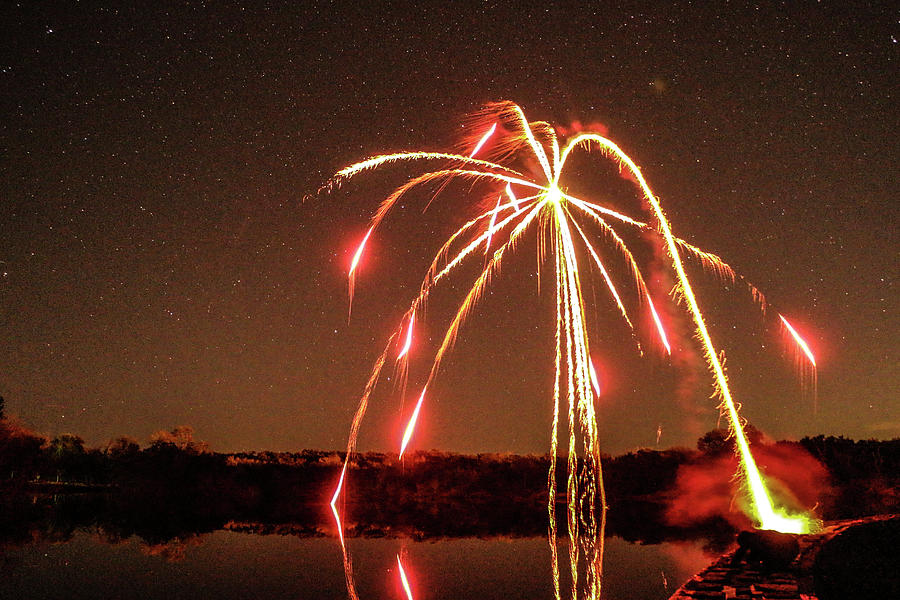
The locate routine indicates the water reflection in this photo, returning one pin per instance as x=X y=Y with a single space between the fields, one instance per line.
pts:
x=228 y=564
x=83 y=548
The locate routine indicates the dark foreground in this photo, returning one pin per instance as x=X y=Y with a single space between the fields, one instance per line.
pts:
x=852 y=559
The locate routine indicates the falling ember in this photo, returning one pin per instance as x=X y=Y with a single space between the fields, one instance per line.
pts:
x=359 y=251
x=404 y=580
x=512 y=197
x=805 y=363
x=800 y=341
x=483 y=140
x=487 y=244
x=659 y=326
x=412 y=425
x=409 y=336
x=351 y=277
x=564 y=225
x=595 y=381
x=334 y=499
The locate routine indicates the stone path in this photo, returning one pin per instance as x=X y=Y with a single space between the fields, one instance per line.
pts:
x=722 y=581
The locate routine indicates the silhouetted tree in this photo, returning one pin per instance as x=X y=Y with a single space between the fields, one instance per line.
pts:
x=714 y=442
x=66 y=444
x=718 y=441
x=67 y=455
x=20 y=451
x=181 y=437
x=122 y=447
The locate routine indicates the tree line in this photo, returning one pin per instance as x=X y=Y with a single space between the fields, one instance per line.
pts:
x=432 y=490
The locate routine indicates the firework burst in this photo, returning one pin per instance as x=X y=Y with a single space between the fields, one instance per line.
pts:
x=567 y=228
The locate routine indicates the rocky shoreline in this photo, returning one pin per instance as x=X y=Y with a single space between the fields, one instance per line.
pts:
x=847 y=559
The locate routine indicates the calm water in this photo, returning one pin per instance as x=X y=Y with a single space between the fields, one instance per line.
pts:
x=228 y=564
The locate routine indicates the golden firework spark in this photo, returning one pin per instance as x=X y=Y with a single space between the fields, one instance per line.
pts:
x=561 y=220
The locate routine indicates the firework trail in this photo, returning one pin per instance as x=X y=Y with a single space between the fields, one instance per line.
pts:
x=411 y=426
x=348 y=564
x=595 y=381
x=805 y=361
x=539 y=203
x=403 y=580
x=333 y=503
x=800 y=341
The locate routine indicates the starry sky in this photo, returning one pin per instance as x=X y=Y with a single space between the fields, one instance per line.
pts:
x=159 y=265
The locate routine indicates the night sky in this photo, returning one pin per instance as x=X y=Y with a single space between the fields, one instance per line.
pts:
x=158 y=265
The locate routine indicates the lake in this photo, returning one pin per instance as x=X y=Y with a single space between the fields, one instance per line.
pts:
x=226 y=564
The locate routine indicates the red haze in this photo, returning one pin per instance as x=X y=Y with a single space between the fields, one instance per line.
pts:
x=707 y=487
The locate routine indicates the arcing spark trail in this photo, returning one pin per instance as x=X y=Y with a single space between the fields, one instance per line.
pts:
x=563 y=223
